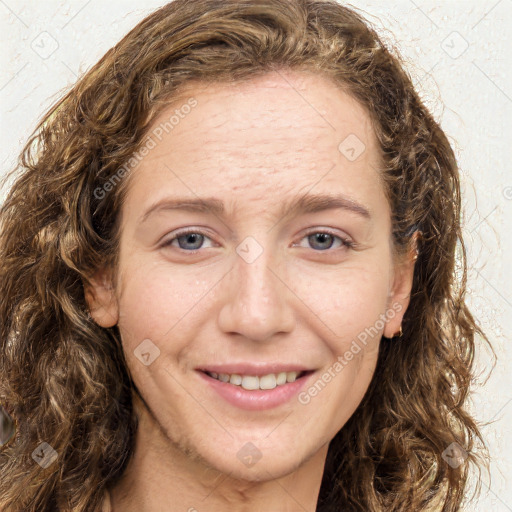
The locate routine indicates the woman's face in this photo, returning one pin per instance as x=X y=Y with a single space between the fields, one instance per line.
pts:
x=287 y=267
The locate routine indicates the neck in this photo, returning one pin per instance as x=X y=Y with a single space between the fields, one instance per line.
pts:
x=161 y=473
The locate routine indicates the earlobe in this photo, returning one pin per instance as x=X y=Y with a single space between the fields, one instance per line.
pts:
x=101 y=300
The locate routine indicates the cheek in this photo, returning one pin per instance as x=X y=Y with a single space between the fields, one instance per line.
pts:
x=159 y=303
x=346 y=302
x=351 y=305
x=349 y=312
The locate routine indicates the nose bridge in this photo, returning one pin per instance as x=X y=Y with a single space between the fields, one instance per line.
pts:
x=256 y=306
x=254 y=267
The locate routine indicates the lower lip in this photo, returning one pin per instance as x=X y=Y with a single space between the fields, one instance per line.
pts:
x=258 y=399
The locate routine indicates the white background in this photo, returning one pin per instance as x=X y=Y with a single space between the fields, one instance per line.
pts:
x=458 y=53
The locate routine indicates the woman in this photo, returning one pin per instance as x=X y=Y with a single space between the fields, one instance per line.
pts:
x=310 y=350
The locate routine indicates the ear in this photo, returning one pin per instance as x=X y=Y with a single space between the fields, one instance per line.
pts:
x=400 y=294
x=101 y=299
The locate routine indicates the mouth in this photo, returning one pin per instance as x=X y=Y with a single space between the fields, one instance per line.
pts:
x=251 y=382
x=255 y=388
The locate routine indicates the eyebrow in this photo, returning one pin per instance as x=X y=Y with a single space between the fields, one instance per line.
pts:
x=306 y=203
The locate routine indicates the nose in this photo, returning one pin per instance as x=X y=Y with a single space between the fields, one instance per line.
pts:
x=256 y=297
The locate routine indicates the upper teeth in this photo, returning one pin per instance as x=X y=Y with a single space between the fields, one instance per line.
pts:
x=251 y=382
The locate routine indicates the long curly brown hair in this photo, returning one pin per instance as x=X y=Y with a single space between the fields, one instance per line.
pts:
x=64 y=378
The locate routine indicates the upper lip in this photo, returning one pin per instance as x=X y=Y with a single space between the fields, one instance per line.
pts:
x=253 y=368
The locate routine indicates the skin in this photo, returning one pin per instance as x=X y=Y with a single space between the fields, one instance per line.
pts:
x=255 y=146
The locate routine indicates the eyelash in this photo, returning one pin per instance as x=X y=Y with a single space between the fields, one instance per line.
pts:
x=345 y=242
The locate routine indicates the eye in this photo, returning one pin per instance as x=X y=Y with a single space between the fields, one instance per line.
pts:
x=192 y=240
x=188 y=241
x=324 y=240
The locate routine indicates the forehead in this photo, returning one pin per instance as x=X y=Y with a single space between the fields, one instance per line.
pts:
x=271 y=136
x=287 y=106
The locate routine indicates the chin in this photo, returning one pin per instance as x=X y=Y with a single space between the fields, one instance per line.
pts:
x=262 y=471
x=250 y=465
